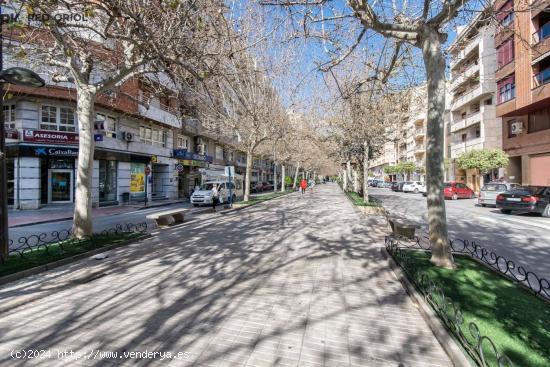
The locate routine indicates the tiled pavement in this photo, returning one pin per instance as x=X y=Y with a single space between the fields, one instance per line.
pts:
x=291 y=282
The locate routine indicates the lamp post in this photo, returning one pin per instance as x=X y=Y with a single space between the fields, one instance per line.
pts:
x=16 y=76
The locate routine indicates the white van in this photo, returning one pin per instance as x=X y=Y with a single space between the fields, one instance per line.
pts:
x=203 y=194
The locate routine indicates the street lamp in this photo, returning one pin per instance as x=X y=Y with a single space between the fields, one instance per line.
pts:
x=26 y=78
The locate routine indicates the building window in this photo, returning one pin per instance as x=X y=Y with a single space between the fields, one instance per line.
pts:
x=505 y=15
x=464 y=136
x=506 y=89
x=9 y=116
x=478 y=133
x=57 y=119
x=152 y=136
x=219 y=152
x=489 y=101
x=505 y=53
x=539 y=120
x=182 y=142
x=107 y=124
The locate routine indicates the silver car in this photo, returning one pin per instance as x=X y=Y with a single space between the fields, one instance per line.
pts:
x=489 y=192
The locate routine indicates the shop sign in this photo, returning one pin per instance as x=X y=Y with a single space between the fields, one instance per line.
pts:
x=45 y=151
x=11 y=134
x=192 y=163
x=187 y=155
x=137 y=178
x=179 y=167
x=98 y=137
x=154 y=159
x=50 y=137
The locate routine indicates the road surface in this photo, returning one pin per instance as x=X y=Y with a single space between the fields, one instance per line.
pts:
x=524 y=238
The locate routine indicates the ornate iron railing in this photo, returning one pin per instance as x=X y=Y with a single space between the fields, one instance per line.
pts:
x=517 y=273
x=64 y=239
x=476 y=345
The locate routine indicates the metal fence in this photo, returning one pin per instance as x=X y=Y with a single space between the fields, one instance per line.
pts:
x=517 y=273
x=64 y=239
x=480 y=347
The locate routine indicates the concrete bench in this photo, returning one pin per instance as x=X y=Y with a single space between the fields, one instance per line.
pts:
x=402 y=227
x=168 y=217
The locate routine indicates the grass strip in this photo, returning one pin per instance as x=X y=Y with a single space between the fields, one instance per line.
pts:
x=357 y=199
x=60 y=250
x=514 y=319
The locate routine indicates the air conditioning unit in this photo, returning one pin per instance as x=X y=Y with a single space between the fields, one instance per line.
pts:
x=516 y=127
x=127 y=136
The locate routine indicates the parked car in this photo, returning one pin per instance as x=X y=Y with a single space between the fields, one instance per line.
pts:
x=530 y=199
x=375 y=182
x=203 y=194
x=413 y=186
x=385 y=185
x=267 y=186
x=257 y=187
x=457 y=190
x=394 y=186
x=489 y=192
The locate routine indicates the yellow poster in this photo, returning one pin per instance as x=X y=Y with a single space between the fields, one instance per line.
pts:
x=137 y=178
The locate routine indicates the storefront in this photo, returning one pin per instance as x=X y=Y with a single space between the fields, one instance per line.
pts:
x=108 y=170
x=187 y=168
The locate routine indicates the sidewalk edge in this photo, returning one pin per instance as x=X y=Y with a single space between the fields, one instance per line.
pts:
x=42 y=268
x=439 y=330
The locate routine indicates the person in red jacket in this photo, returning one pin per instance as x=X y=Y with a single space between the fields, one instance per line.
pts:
x=303 y=186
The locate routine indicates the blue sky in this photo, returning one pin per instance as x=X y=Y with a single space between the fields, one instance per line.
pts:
x=312 y=51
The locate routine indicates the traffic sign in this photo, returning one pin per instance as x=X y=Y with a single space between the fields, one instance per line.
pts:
x=179 y=167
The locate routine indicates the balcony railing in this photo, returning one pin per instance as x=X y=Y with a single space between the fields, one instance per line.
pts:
x=542 y=77
x=542 y=33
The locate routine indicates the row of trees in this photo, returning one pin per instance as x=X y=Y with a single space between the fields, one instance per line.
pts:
x=215 y=59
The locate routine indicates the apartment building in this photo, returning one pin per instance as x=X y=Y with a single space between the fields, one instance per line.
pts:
x=415 y=134
x=473 y=120
x=522 y=40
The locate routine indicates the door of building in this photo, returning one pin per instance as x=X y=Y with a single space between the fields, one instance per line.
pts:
x=60 y=186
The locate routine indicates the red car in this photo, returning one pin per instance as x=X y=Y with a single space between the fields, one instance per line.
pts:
x=457 y=190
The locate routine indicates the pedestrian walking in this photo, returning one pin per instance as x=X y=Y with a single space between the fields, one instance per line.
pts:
x=215 y=196
x=303 y=186
x=311 y=184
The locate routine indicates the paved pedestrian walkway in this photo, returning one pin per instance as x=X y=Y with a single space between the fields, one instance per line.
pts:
x=53 y=213
x=290 y=282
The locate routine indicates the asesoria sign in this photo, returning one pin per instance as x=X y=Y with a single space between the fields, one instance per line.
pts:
x=50 y=137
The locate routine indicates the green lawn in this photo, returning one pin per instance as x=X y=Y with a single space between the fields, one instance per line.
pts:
x=515 y=320
x=357 y=199
x=55 y=252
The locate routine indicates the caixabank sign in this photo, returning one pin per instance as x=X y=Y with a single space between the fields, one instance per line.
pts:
x=50 y=137
x=45 y=151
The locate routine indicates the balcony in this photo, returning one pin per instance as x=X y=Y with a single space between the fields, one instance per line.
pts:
x=541 y=83
x=162 y=114
x=419 y=149
x=471 y=45
x=541 y=41
x=463 y=74
x=466 y=97
x=538 y=7
x=469 y=120
x=419 y=133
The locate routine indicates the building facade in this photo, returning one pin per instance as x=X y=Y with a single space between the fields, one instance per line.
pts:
x=522 y=41
x=473 y=120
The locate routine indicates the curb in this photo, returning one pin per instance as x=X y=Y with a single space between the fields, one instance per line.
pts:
x=42 y=268
x=41 y=222
x=69 y=218
x=439 y=330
